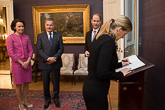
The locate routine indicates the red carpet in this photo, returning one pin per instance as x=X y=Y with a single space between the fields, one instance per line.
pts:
x=70 y=100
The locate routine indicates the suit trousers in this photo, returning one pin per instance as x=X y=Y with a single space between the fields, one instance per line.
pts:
x=46 y=84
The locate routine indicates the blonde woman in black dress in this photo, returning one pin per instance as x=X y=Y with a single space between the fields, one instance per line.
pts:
x=103 y=61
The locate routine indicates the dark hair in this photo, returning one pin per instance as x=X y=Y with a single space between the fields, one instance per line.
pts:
x=14 y=22
x=50 y=19
x=97 y=15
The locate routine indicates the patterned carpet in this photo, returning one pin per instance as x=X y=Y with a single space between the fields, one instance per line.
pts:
x=70 y=100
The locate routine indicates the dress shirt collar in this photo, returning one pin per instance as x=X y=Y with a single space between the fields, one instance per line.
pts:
x=49 y=34
x=96 y=30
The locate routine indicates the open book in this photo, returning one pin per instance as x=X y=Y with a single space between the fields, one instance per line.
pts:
x=135 y=62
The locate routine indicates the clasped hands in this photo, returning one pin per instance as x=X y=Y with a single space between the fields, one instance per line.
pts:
x=25 y=65
x=51 y=60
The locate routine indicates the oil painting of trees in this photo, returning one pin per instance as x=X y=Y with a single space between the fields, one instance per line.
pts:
x=69 y=24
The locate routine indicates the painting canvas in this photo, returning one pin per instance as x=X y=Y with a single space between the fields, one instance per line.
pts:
x=69 y=24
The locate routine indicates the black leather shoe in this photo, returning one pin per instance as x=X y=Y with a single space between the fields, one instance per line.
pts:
x=57 y=103
x=46 y=105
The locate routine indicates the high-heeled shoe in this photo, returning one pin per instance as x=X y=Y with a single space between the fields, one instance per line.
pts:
x=29 y=106
x=20 y=107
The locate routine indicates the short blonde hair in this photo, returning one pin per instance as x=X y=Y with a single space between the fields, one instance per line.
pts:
x=122 y=21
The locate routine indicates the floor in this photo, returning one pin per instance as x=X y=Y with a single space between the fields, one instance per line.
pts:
x=65 y=84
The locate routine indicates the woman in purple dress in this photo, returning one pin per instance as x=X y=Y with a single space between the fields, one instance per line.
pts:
x=20 y=50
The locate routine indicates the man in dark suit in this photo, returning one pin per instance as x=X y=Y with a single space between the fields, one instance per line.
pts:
x=50 y=48
x=91 y=35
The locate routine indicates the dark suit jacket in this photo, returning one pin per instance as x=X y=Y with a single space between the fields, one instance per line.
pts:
x=103 y=59
x=88 y=40
x=45 y=51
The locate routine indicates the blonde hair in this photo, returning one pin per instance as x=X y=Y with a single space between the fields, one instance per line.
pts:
x=122 y=21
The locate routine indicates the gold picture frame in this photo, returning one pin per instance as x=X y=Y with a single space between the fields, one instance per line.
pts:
x=76 y=17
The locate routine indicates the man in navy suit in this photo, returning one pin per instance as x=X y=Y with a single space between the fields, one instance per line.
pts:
x=91 y=35
x=50 y=48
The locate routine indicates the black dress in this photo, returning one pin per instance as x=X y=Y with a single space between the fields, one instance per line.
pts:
x=101 y=66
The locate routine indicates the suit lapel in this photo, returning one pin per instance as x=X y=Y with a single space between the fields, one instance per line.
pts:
x=91 y=36
x=97 y=32
x=45 y=36
x=54 y=38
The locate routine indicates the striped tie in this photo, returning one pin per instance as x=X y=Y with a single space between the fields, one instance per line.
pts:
x=94 y=35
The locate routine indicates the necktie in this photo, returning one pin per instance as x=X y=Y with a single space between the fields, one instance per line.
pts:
x=94 y=34
x=50 y=40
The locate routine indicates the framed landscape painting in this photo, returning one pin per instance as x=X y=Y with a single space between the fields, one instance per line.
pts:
x=71 y=21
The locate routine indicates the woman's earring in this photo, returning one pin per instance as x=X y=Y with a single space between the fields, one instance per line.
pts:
x=117 y=31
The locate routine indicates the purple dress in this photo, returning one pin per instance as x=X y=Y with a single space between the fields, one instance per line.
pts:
x=19 y=47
